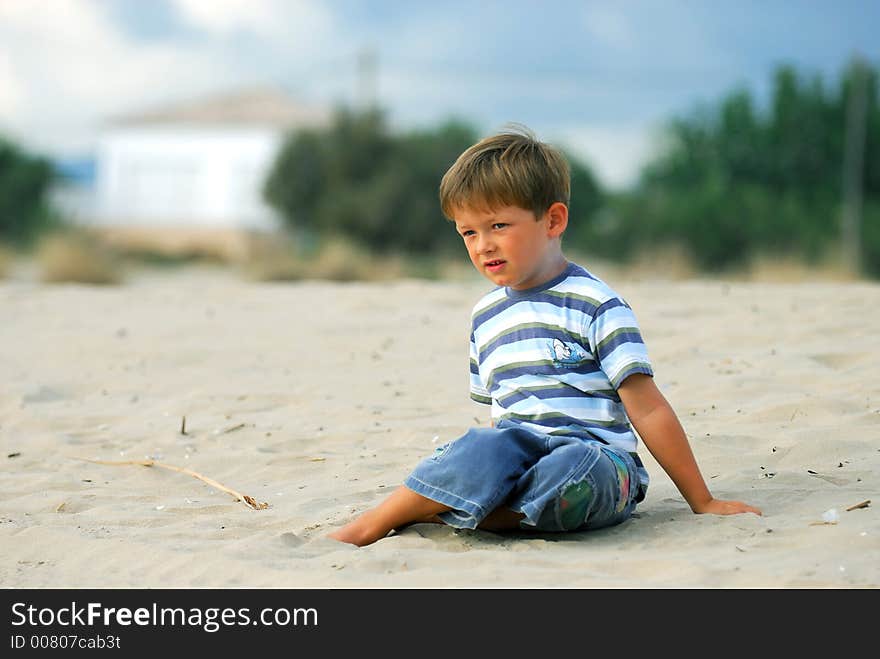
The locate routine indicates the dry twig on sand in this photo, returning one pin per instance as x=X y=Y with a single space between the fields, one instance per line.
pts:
x=248 y=500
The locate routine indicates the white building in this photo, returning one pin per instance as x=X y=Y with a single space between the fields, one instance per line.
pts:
x=195 y=168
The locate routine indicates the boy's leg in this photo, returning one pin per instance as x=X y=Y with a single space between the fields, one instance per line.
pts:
x=400 y=508
x=578 y=485
x=502 y=454
x=500 y=519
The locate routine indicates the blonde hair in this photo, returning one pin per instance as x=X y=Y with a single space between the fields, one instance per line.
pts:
x=511 y=168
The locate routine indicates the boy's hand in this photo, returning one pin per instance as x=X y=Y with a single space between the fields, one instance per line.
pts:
x=655 y=421
x=722 y=507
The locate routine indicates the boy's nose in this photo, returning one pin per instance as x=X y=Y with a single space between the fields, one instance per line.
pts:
x=485 y=245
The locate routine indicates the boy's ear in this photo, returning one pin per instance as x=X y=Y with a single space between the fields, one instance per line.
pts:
x=557 y=219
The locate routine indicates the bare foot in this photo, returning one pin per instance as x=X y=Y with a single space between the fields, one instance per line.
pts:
x=344 y=535
x=400 y=508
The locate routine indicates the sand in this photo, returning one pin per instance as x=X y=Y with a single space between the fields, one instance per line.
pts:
x=319 y=397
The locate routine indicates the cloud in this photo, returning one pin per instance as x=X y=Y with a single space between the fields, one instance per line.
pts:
x=66 y=65
x=292 y=25
x=226 y=16
x=615 y=152
x=587 y=69
x=71 y=66
x=610 y=26
x=12 y=93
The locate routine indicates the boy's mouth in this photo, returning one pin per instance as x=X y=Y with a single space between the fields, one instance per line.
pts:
x=494 y=264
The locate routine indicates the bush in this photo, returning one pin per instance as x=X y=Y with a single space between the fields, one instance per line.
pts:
x=6 y=259
x=871 y=239
x=24 y=186
x=73 y=256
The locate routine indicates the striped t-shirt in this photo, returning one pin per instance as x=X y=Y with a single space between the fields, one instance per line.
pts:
x=552 y=357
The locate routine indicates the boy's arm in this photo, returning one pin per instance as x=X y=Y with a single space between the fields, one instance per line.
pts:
x=655 y=421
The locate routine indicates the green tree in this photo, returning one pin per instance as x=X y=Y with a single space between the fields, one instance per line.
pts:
x=358 y=180
x=734 y=183
x=380 y=189
x=24 y=186
x=587 y=198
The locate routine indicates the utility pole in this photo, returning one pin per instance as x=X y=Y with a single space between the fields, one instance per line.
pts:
x=853 y=166
x=366 y=79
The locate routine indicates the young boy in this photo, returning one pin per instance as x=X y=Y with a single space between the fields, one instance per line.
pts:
x=559 y=357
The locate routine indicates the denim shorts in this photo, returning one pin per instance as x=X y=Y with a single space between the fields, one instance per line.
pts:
x=559 y=483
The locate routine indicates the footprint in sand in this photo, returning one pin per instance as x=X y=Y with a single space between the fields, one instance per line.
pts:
x=841 y=360
x=42 y=394
x=291 y=539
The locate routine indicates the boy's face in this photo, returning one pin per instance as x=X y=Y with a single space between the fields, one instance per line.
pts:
x=510 y=247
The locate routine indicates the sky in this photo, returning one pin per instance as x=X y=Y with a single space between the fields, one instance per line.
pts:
x=597 y=77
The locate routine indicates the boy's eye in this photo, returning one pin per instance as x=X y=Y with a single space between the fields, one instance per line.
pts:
x=499 y=225
x=466 y=233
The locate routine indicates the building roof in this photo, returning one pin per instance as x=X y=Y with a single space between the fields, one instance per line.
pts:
x=259 y=106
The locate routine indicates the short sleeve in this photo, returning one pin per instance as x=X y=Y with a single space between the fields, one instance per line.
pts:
x=478 y=390
x=616 y=342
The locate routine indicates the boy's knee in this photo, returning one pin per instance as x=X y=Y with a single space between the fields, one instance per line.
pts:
x=483 y=443
x=578 y=455
x=575 y=502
